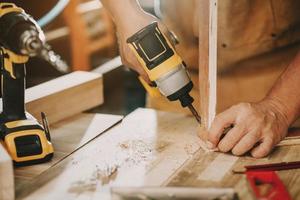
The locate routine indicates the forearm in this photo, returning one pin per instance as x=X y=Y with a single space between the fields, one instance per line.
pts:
x=285 y=94
x=128 y=16
x=122 y=10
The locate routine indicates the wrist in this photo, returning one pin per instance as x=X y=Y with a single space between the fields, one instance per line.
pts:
x=127 y=15
x=134 y=23
x=279 y=109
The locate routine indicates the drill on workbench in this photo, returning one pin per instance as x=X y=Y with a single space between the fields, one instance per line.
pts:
x=26 y=140
x=163 y=65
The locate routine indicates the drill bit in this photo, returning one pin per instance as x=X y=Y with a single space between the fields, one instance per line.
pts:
x=195 y=113
x=47 y=54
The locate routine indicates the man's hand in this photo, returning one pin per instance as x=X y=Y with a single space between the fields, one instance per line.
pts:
x=129 y=18
x=127 y=56
x=258 y=127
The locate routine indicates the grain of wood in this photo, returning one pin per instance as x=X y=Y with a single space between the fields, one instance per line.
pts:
x=217 y=169
x=61 y=98
x=208 y=60
x=163 y=151
x=146 y=149
x=67 y=137
x=189 y=174
x=65 y=96
x=289 y=142
x=7 y=189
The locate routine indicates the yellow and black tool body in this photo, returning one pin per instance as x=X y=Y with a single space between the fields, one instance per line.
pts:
x=163 y=65
x=26 y=140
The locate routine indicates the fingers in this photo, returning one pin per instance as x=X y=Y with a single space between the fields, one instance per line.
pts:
x=220 y=122
x=231 y=138
x=255 y=129
x=129 y=59
x=246 y=143
x=263 y=149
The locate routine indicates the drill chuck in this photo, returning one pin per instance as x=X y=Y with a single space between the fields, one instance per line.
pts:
x=30 y=43
x=20 y=33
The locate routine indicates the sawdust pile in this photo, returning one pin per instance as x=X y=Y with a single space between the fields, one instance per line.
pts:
x=99 y=176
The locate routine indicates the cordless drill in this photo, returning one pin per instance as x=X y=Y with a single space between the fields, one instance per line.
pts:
x=163 y=65
x=26 y=140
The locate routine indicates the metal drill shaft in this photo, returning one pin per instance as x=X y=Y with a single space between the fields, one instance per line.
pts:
x=47 y=54
x=195 y=113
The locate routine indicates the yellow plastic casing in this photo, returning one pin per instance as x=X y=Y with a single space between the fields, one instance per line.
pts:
x=9 y=140
x=159 y=70
x=152 y=91
x=162 y=68
x=9 y=7
x=11 y=59
x=6 y=8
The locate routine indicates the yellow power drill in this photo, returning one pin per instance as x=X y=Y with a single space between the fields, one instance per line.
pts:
x=163 y=65
x=27 y=141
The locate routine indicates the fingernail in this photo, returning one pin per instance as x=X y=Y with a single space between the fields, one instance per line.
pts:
x=209 y=144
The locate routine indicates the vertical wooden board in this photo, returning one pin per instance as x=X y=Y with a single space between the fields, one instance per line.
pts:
x=146 y=149
x=207 y=60
x=7 y=189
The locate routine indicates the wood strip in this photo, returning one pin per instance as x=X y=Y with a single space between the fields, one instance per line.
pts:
x=213 y=7
x=65 y=96
x=289 y=142
x=144 y=150
x=207 y=60
x=188 y=176
x=67 y=137
x=7 y=189
x=217 y=169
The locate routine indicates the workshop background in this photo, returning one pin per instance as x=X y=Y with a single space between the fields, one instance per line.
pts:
x=84 y=35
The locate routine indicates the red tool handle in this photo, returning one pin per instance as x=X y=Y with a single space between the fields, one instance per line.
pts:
x=276 y=190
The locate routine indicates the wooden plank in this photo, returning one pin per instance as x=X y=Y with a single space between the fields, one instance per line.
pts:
x=65 y=96
x=211 y=174
x=146 y=149
x=67 y=137
x=7 y=190
x=201 y=162
x=208 y=11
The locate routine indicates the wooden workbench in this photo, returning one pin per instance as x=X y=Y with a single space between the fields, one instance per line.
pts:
x=148 y=148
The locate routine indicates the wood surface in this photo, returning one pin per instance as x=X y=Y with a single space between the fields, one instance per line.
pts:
x=208 y=60
x=7 y=191
x=189 y=176
x=65 y=96
x=147 y=148
x=68 y=136
x=150 y=148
